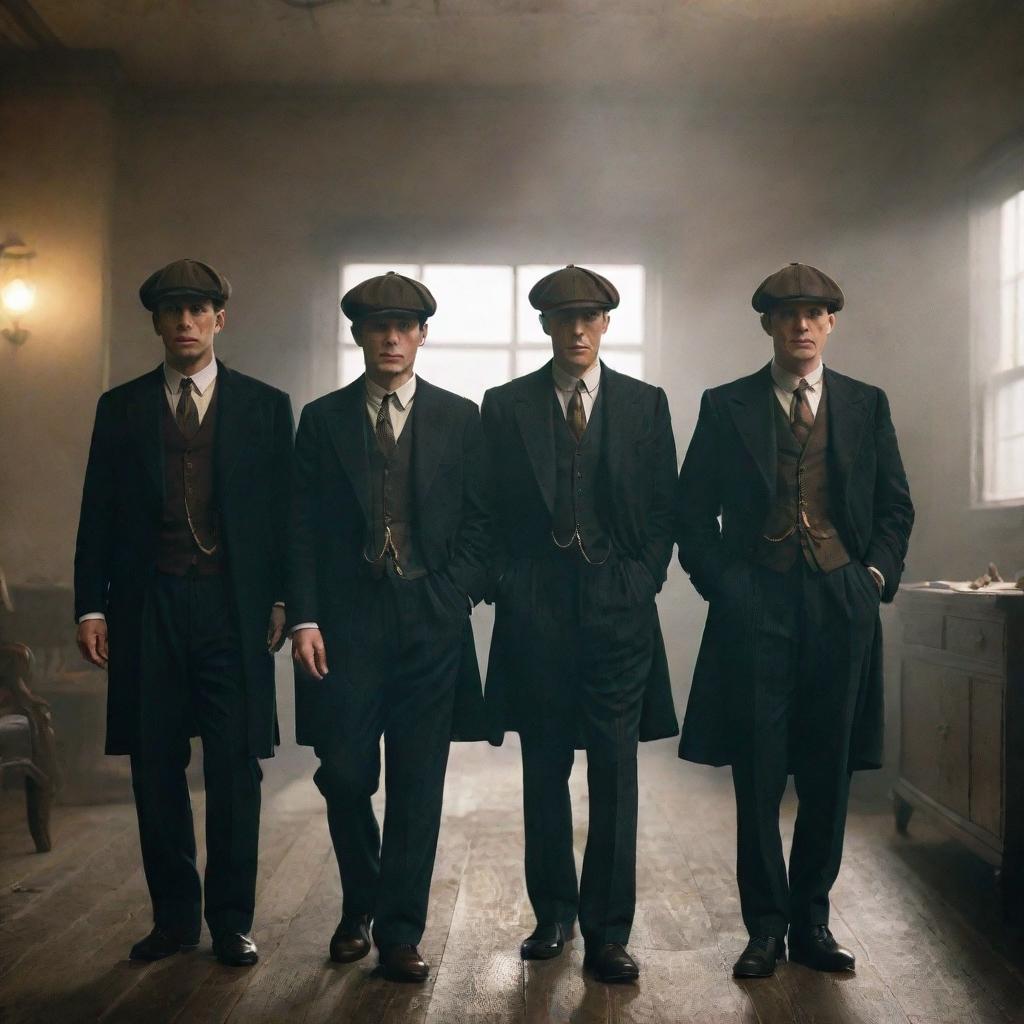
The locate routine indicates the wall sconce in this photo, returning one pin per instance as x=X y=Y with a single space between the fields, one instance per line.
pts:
x=17 y=292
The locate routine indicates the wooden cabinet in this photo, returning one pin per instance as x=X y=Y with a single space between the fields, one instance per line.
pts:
x=962 y=724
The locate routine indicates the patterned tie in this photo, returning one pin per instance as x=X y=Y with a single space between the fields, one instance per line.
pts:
x=383 y=428
x=187 y=413
x=575 y=414
x=802 y=419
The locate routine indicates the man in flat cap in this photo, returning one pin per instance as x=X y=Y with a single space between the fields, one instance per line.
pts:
x=585 y=470
x=387 y=556
x=178 y=570
x=801 y=464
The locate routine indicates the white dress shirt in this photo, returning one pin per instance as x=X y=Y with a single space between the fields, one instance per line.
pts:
x=202 y=394
x=401 y=403
x=786 y=383
x=565 y=385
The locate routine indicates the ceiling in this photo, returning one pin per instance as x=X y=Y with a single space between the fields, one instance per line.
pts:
x=703 y=48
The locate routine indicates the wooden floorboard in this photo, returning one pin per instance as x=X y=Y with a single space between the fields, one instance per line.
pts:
x=920 y=913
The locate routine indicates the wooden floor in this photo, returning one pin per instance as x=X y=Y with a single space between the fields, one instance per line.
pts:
x=919 y=912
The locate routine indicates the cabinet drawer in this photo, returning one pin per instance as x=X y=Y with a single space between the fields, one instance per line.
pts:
x=978 y=639
x=922 y=629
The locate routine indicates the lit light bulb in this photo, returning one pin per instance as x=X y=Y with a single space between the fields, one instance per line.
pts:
x=18 y=297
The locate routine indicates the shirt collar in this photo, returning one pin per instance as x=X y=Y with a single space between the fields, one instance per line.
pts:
x=786 y=381
x=567 y=382
x=403 y=396
x=202 y=380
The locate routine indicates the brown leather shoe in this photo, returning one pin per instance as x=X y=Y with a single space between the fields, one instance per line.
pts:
x=351 y=939
x=403 y=963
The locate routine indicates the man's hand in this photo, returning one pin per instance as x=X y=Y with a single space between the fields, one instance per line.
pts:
x=92 y=642
x=275 y=631
x=309 y=652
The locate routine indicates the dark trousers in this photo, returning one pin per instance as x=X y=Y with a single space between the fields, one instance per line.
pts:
x=192 y=683
x=589 y=642
x=811 y=649
x=394 y=676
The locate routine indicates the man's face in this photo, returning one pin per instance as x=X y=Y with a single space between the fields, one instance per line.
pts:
x=187 y=327
x=799 y=332
x=389 y=346
x=575 y=337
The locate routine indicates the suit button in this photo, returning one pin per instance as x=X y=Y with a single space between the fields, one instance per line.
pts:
x=579 y=476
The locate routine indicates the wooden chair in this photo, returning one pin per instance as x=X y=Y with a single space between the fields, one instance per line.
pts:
x=27 y=743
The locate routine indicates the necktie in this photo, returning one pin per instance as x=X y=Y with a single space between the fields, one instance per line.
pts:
x=187 y=413
x=575 y=414
x=802 y=418
x=383 y=428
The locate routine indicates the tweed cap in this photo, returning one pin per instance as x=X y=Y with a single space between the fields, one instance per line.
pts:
x=573 y=287
x=184 y=277
x=389 y=294
x=797 y=282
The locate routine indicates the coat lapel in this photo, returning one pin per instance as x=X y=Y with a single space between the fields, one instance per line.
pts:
x=433 y=421
x=348 y=435
x=144 y=414
x=847 y=415
x=533 y=414
x=234 y=424
x=750 y=407
x=615 y=408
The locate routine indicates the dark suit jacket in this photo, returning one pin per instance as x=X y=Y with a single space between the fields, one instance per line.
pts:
x=635 y=495
x=730 y=470
x=329 y=525
x=118 y=532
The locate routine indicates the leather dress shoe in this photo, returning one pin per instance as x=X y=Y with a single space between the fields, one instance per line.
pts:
x=403 y=962
x=815 y=947
x=351 y=939
x=544 y=943
x=235 y=950
x=759 y=958
x=159 y=944
x=611 y=962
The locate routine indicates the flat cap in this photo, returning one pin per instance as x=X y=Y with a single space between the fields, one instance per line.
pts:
x=184 y=277
x=389 y=294
x=573 y=287
x=795 y=283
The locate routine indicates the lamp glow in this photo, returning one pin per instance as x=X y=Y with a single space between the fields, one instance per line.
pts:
x=18 y=297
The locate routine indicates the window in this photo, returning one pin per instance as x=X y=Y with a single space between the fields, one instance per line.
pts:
x=998 y=334
x=485 y=331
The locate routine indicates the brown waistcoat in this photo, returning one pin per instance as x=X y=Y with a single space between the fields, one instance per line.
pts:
x=189 y=475
x=800 y=520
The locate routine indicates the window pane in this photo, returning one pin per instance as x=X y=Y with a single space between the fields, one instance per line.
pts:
x=1008 y=239
x=467 y=371
x=625 y=362
x=527 y=318
x=353 y=273
x=1010 y=410
x=474 y=304
x=1019 y=264
x=530 y=359
x=1007 y=322
x=1019 y=323
x=350 y=363
x=627 y=326
x=1010 y=469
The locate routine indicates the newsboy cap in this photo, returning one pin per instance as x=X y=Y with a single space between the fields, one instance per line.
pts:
x=573 y=287
x=184 y=277
x=389 y=294
x=797 y=283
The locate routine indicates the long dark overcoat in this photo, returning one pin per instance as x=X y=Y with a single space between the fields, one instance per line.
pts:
x=730 y=471
x=330 y=521
x=635 y=498
x=119 y=529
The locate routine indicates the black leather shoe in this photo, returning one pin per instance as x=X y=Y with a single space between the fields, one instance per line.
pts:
x=159 y=944
x=815 y=947
x=544 y=943
x=351 y=939
x=758 y=960
x=403 y=963
x=611 y=962
x=235 y=950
